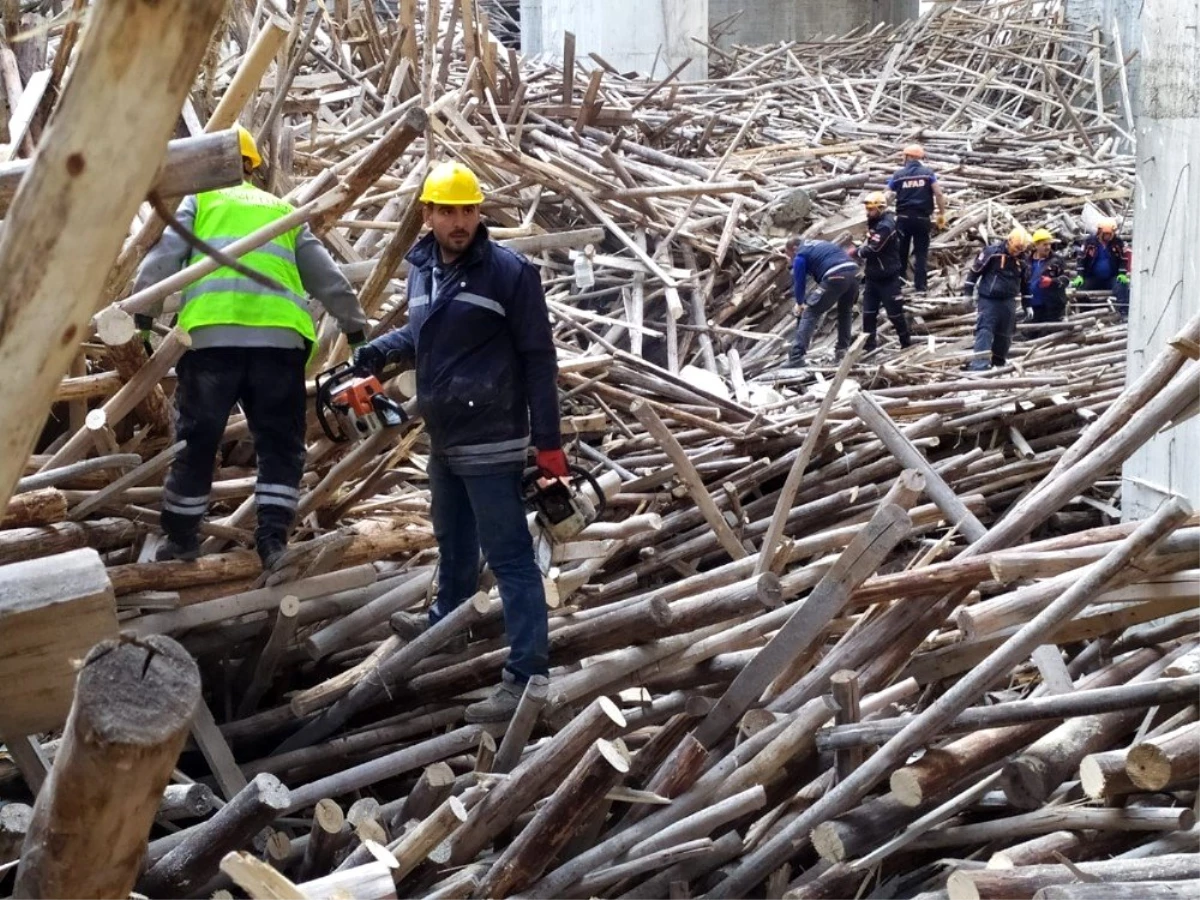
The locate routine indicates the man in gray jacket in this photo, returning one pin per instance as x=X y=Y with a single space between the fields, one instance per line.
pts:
x=250 y=341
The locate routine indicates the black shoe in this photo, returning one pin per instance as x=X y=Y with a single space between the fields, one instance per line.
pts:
x=270 y=551
x=181 y=547
x=796 y=361
x=500 y=706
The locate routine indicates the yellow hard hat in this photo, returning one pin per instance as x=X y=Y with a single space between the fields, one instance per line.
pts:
x=1019 y=236
x=1042 y=235
x=451 y=184
x=248 y=147
x=916 y=151
x=875 y=200
x=1107 y=224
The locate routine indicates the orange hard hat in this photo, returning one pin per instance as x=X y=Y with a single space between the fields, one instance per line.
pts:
x=916 y=151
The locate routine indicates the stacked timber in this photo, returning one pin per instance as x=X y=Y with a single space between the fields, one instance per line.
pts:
x=832 y=627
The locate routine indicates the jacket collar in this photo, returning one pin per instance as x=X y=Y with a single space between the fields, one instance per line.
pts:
x=424 y=252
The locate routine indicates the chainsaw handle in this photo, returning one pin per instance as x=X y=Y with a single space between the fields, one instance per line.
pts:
x=578 y=474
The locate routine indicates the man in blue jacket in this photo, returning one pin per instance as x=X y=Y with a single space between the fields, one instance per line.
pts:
x=917 y=190
x=836 y=275
x=487 y=371
x=881 y=272
x=1001 y=275
x=1101 y=265
x=1047 y=281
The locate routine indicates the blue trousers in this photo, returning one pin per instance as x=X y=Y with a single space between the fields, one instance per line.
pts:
x=995 y=322
x=485 y=511
x=839 y=290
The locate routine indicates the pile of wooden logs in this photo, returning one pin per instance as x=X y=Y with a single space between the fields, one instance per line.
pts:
x=878 y=625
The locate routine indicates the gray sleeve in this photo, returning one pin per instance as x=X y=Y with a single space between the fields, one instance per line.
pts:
x=324 y=281
x=169 y=255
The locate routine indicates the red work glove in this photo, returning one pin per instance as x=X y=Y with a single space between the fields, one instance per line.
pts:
x=1045 y=282
x=553 y=464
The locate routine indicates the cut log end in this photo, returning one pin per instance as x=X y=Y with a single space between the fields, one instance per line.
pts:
x=828 y=843
x=1149 y=767
x=328 y=816
x=906 y=785
x=137 y=692
x=961 y=886
x=610 y=709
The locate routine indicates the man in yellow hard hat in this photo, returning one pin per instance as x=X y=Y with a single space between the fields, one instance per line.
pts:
x=479 y=332
x=1000 y=273
x=917 y=190
x=880 y=254
x=249 y=345
x=1048 y=280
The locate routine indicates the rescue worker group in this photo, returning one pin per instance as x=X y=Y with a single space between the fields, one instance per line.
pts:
x=1024 y=277
x=480 y=340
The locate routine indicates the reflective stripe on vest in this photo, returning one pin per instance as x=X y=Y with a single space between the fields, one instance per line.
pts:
x=224 y=297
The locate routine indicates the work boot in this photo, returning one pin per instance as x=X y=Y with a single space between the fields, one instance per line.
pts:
x=410 y=626
x=270 y=550
x=182 y=547
x=795 y=360
x=500 y=706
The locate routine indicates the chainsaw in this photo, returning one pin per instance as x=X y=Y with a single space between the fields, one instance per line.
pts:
x=352 y=404
x=560 y=506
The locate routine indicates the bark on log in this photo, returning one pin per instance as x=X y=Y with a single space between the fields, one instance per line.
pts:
x=540 y=841
x=186 y=801
x=35 y=508
x=129 y=720
x=1023 y=882
x=84 y=177
x=521 y=725
x=329 y=834
x=191 y=863
x=1121 y=890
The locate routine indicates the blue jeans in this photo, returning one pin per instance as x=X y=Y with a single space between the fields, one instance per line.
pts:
x=840 y=290
x=487 y=509
x=994 y=325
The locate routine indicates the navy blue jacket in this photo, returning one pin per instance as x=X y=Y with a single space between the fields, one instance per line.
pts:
x=913 y=186
x=486 y=366
x=1055 y=269
x=818 y=259
x=999 y=275
x=1092 y=253
x=881 y=251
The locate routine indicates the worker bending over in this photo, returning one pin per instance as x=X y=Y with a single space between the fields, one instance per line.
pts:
x=836 y=275
x=1047 y=281
x=917 y=190
x=1001 y=275
x=249 y=345
x=881 y=271
x=1101 y=265
x=479 y=332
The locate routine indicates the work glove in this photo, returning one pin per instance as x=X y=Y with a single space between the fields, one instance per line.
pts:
x=552 y=464
x=1123 y=279
x=1029 y=314
x=369 y=359
x=940 y=221
x=1077 y=281
x=1045 y=282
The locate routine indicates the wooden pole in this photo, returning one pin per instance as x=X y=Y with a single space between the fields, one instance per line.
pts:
x=66 y=224
x=128 y=723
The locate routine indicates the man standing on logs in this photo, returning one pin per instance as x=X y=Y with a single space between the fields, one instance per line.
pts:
x=917 y=190
x=1047 y=281
x=1001 y=274
x=836 y=275
x=1101 y=265
x=479 y=332
x=249 y=345
x=881 y=271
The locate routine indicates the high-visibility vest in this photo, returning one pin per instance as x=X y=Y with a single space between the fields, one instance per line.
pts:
x=225 y=297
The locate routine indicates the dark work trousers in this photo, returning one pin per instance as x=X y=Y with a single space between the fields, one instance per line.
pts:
x=268 y=382
x=995 y=321
x=914 y=237
x=885 y=293
x=486 y=509
x=1119 y=291
x=1051 y=311
x=839 y=289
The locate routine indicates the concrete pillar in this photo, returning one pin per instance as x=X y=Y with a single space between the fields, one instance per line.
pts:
x=772 y=21
x=647 y=36
x=1115 y=20
x=1166 y=267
